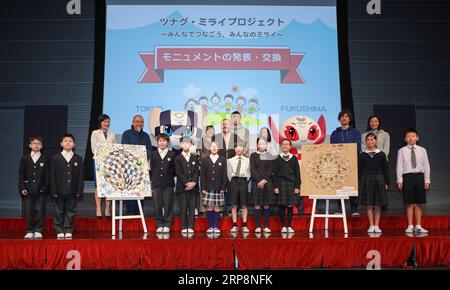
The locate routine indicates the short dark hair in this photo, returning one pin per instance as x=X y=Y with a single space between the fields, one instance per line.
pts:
x=102 y=118
x=370 y=118
x=345 y=112
x=236 y=113
x=67 y=135
x=286 y=139
x=261 y=138
x=163 y=136
x=411 y=130
x=370 y=135
x=269 y=136
x=239 y=143
x=37 y=138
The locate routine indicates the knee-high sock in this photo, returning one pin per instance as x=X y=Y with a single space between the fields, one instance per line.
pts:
x=216 y=219
x=290 y=211
x=257 y=213
x=209 y=216
x=266 y=215
x=283 y=215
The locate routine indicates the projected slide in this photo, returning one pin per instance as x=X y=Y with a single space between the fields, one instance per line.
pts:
x=279 y=61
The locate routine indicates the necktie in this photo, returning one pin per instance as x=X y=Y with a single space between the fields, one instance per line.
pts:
x=238 y=167
x=413 y=157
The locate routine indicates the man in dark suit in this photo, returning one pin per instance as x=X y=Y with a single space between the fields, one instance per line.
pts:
x=226 y=140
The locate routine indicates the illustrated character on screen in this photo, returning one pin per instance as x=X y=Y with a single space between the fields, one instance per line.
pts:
x=300 y=130
x=203 y=101
x=215 y=101
x=253 y=106
x=228 y=103
x=240 y=102
x=191 y=105
x=176 y=125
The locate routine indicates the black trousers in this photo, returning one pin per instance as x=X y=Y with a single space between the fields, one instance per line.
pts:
x=65 y=211
x=163 y=198
x=186 y=200
x=35 y=212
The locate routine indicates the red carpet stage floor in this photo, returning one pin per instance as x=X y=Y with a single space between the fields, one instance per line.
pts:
x=133 y=250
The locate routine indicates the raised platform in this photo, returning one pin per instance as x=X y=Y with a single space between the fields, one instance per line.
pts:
x=133 y=250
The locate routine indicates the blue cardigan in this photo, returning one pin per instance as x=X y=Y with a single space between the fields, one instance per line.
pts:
x=350 y=135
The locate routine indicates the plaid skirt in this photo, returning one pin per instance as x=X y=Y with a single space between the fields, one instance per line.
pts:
x=372 y=190
x=286 y=196
x=213 y=199
x=262 y=196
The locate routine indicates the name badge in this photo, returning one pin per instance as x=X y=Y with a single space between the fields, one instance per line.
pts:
x=220 y=164
x=75 y=164
x=168 y=159
x=193 y=162
x=41 y=164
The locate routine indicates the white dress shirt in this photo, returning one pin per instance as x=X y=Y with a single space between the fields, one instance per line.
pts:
x=289 y=158
x=67 y=155
x=232 y=165
x=35 y=156
x=214 y=157
x=226 y=138
x=404 y=165
x=186 y=156
x=163 y=153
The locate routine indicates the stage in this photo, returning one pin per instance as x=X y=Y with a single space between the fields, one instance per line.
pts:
x=134 y=250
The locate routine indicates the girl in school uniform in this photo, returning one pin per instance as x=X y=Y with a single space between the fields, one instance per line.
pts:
x=262 y=196
x=213 y=179
x=286 y=183
x=374 y=181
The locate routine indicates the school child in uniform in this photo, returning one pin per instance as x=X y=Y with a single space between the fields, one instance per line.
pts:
x=374 y=181
x=162 y=165
x=66 y=185
x=213 y=179
x=413 y=178
x=187 y=172
x=238 y=172
x=262 y=196
x=34 y=172
x=286 y=183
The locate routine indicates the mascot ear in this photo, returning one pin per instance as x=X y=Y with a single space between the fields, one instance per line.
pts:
x=153 y=120
x=274 y=129
x=323 y=129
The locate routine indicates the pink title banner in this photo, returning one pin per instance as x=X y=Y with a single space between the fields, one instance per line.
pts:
x=221 y=58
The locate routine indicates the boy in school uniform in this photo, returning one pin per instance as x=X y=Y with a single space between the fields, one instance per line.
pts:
x=238 y=172
x=66 y=185
x=286 y=184
x=187 y=172
x=413 y=178
x=213 y=180
x=34 y=186
x=162 y=167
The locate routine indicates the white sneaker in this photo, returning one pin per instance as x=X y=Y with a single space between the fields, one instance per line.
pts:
x=159 y=230
x=377 y=230
x=190 y=231
x=290 y=230
x=258 y=230
x=37 y=235
x=60 y=236
x=210 y=231
x=409 y=229
x=266 y=235
x=245 y=230
x=420 y=230
x=267 y=230
x=184 y=231
x=29 y=236
x=166 y=230
x=216 y=231
x=355 y=214
x=234 y=229
x=371 y=229
x=68 y=236
x=284 y=230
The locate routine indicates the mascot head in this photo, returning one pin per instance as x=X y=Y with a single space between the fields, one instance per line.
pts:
x=176 y=125
x=300 y=130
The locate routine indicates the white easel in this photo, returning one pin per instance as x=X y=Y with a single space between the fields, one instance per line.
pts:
x=327 y=214
x=126 y=217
